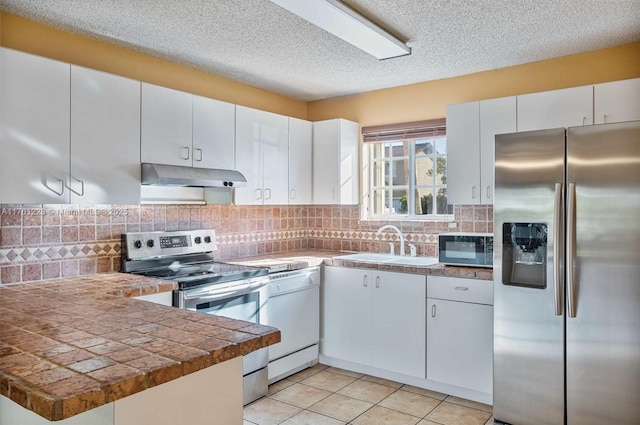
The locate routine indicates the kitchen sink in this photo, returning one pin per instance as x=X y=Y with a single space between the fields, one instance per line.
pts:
x=372 y=257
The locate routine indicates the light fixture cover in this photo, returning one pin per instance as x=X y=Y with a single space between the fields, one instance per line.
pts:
x=343 y=22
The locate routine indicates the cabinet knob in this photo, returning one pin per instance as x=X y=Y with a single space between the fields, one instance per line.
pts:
x=187 y=153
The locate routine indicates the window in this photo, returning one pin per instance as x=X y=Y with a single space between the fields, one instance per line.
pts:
x=407 y=171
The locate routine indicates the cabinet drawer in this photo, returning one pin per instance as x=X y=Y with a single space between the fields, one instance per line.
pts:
x=458 y=289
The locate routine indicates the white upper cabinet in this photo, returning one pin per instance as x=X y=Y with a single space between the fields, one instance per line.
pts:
x=497 y=116
x=179 y=128
x=617 y=101
x=262 y=155
x=213 y=133
x=166 y=126
x=463 y=153
x=558 y=108
x=34 y=139
x=471 y=130
x=336 y=165
x=105 y=138
x=300 y=162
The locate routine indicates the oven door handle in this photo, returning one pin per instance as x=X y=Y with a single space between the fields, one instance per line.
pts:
x=214 y=295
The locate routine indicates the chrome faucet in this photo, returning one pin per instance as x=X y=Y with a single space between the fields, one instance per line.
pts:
x=394 y=228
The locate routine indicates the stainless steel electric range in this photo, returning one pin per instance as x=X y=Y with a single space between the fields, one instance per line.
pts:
x=205 y=286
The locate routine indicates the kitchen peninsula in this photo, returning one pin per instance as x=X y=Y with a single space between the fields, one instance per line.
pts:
x=83 y=350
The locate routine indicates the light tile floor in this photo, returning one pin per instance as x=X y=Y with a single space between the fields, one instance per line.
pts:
x=324 y=395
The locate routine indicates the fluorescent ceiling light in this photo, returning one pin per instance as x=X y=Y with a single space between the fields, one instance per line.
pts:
x=343 y=22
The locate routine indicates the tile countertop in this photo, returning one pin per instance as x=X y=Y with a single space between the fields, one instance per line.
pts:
x=299 y=259
x=70 y=345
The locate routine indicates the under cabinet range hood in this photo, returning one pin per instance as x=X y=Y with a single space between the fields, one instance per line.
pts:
x=175 y=175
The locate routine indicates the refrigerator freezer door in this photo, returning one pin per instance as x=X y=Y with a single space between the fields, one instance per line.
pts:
x=603 y=340
x=528 y=334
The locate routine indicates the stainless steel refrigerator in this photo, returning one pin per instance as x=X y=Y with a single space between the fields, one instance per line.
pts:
x=567 y=276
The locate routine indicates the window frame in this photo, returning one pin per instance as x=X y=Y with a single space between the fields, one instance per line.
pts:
x=369 y=169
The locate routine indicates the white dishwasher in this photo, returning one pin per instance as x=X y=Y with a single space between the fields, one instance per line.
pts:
x=294 y=308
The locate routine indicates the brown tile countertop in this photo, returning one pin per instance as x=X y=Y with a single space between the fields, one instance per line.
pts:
x=70 y=345
x=299 y=259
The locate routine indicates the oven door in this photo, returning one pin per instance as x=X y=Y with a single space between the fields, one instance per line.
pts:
x=241 y=300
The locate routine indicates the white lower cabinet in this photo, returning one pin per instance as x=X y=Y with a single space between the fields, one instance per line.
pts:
x=460 y=333
x=375 y=318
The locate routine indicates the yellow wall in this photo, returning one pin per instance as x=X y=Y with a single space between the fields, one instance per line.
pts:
x=400 y=104
x=28 y=36
x=429 y=99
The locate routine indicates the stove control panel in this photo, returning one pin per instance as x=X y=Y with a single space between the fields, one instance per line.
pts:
x=138 y=245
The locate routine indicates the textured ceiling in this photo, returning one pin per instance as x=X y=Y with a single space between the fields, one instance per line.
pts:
x=258 y=43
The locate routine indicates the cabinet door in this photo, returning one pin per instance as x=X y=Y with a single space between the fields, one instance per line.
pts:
x=617 y=101
x=326 y=171
x=463 y=153
x=346 y=310
x=299 y=162
x=497 y=116
x=553 y=109
x=274 y=134
x=460 y=344
x=349 y=181
x=166 y=135
x=249 y=156
x=398 y=323
x=105 y=138
x=213 y=133
x=34 y=165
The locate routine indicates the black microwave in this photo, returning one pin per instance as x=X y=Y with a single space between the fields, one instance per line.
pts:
x=466 y=249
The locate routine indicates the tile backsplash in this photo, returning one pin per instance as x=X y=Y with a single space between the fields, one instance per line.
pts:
x=51 y=241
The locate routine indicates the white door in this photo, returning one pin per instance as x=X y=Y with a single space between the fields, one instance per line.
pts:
x=105 y=138
x=213 y=133
x=463 y=153
x=249 y=156
x=274 y=133
x=166 y=133
x=300 y=162
x=460 y=344
x=346 y=311
x=398 y=323
x=326 y=154
x=497 y=116
x=617 y=101
x=555 y=109
x=34 y=165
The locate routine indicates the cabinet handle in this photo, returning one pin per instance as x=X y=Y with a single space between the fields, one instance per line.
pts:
x=488 y=192
x=267 y=193
x=81 y=193
x=187 y=150
x=461 y=288
x=584 y=120
x=292 y=194
x=473 y=192
x=258 y=193
x=604 y=119
x=365 y=280
x=200 y=158
x=377 y=281
x=433 y=310
x=45 y=183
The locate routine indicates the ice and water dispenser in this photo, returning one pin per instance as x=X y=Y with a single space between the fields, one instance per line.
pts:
x=524 y=254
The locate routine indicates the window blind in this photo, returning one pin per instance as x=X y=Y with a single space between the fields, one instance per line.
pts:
x=405 y=131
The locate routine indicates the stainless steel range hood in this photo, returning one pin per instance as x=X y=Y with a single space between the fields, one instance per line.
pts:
x=175 y=175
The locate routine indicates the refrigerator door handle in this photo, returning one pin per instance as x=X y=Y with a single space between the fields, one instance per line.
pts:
x=571 y=236
x=557 y=247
